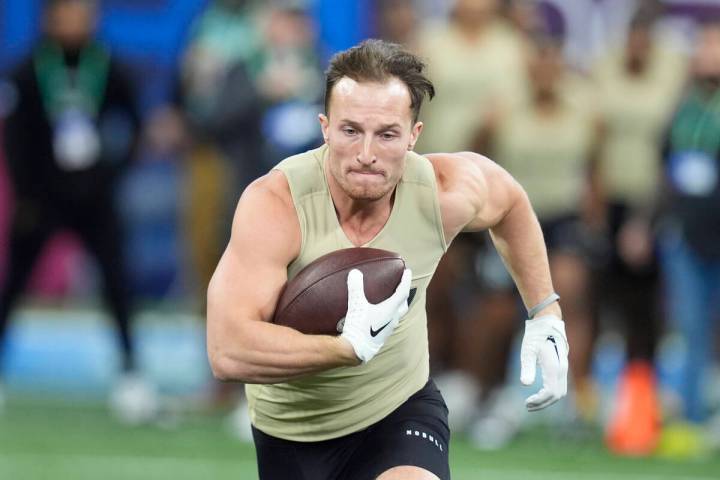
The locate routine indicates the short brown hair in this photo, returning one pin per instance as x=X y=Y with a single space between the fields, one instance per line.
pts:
x=378 y=61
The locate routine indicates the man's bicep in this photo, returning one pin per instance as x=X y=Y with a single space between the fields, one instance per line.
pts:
x=253 y=268
x=245 y=285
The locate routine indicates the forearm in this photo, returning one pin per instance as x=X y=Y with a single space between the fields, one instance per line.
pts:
x=255 y=351
x=519 y=240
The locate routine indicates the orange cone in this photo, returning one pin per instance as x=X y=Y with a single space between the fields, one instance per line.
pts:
x=634 y=428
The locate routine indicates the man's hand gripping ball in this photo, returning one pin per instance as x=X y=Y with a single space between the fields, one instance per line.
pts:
x=367 y=326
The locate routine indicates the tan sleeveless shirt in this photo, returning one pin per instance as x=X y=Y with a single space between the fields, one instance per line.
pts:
x=343 y=400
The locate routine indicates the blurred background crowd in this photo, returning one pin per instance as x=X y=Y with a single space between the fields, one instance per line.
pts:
x=130 y=128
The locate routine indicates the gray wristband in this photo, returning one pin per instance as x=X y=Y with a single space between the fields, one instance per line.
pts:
x=552 y=298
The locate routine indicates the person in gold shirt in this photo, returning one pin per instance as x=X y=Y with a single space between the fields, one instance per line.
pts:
x=476 y=60
x=358 y=405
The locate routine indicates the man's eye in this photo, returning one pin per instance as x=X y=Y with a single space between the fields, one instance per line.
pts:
x=387 y=136
x=349 y=131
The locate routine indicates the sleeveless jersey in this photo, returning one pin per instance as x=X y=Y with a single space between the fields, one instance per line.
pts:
x=344 y=400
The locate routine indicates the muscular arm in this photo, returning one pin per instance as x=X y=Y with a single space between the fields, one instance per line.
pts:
x=477 y=194
x=242 y=344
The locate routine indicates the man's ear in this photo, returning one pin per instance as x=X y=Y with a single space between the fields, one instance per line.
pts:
x=415 y=134
x=324 y=126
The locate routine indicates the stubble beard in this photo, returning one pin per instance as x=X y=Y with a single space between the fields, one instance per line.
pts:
x=365 y=193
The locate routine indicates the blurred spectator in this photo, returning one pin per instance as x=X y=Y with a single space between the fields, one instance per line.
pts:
x=555 y=175
x=690 y=235
x=290 y=82
x=249 y=103
x=223 y=111
x=67 y=141
x=218 y=84
x=638 y=87
x=476 y=59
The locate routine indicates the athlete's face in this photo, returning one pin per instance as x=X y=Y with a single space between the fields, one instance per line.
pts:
x=368 y=129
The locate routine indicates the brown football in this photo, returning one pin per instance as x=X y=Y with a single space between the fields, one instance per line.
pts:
x=315 y=300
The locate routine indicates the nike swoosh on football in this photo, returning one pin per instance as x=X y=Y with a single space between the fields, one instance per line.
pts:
x=373 y=333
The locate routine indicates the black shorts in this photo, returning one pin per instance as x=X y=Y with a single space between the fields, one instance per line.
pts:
x=416 y=434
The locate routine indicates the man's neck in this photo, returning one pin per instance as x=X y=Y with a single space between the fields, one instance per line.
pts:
x=361 y=220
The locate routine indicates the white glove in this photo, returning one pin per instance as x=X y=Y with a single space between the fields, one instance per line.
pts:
x=367 y=326
x=545 y=343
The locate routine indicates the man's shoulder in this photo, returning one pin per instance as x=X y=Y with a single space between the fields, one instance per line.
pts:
x=462 y=189
x=304 y=172
x=271 y=187
x=266 y=208
x=455 y=169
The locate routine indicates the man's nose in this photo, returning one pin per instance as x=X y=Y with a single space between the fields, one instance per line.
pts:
x=366 y=155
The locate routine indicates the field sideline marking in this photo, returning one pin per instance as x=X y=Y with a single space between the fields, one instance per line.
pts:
x=135 y=461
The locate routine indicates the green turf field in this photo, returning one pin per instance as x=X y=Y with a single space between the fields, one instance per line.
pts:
x=57 y=442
